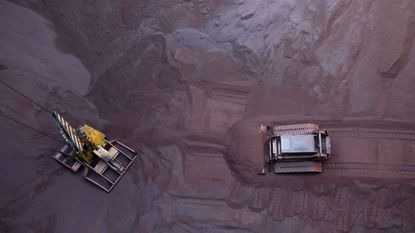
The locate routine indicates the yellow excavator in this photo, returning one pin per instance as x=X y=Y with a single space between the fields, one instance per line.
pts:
x=104 y=161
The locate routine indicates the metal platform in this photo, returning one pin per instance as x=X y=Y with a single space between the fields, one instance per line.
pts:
x=107 y=174
x=104 y=174
x=63 y=157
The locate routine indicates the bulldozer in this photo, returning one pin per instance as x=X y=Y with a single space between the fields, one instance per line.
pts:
x=298 y=148
x=104 y=161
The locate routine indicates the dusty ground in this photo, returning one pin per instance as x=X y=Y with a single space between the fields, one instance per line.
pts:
x=186 y=84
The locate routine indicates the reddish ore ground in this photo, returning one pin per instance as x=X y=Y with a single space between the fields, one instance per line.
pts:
x=186 y=84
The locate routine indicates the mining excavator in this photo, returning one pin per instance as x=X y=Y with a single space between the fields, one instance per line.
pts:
x=299 y=148
x=104 y=161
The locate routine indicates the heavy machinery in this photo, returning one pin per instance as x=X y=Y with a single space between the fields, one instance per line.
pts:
x=298 y=148
x=104 y=161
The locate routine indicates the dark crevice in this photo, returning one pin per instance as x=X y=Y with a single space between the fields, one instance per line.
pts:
x=404 y=56
x=337 y=13
x=3 y=67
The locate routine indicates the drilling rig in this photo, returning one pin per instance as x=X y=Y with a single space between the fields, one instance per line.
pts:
x=104 y=161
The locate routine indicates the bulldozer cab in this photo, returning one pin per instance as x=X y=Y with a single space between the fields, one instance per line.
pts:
x=295 y=148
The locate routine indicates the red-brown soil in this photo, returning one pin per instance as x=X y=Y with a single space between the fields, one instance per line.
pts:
x=186 y=84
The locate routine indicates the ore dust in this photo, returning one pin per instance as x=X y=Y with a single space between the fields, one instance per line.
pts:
x=187 y=84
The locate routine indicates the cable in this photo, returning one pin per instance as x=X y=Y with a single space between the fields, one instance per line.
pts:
x=29 y=127
x=28 y=98
x=34 y=102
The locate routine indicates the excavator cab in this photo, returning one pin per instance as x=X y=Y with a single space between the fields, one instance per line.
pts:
x=104 y=161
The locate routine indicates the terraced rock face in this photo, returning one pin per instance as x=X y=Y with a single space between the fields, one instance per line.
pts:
x=186 y=83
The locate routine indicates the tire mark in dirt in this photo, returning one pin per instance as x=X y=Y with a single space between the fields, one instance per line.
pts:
x=372 y=133
x=369 y=166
